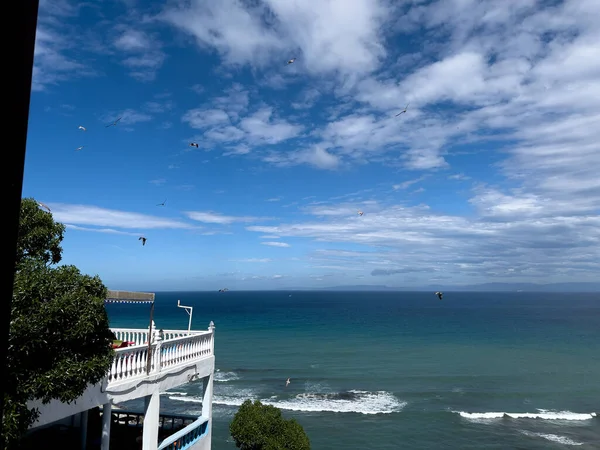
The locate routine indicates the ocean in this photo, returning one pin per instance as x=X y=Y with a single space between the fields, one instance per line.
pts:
x=398 y=370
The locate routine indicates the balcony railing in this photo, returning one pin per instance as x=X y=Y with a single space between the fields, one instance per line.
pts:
x=187 y=437
x=132 y=362
x=140 y=336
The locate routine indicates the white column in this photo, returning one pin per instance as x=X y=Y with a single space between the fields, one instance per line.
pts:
x=151 y=422
x=207 y=397
x=106 y=420
x=83 y=422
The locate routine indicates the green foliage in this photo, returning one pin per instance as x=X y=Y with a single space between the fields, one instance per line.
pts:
x=262 y=427
x=59 y=340
x=39 y=235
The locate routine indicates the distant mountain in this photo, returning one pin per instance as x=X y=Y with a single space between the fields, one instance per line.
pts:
x=357 y=287
x=483 y=287
x=528 y=287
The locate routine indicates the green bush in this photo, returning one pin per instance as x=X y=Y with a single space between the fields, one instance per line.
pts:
x=262 y=427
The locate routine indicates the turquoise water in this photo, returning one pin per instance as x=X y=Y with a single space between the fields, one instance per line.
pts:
x=383 y=370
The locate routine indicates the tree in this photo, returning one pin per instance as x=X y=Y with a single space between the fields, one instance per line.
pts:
x=60 y=338
x=262 y=427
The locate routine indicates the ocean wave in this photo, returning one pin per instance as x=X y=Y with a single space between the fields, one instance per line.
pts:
x=224 y=377
x=185 y=399
x=552 y=437
x=354 y=401
x=541 y=414
x=174 y=393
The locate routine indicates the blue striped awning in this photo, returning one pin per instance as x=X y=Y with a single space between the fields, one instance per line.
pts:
x=112 y=300
x=129 y=297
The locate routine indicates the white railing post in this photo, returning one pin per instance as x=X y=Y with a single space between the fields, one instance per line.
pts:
x=157 y=355
x=211 y=327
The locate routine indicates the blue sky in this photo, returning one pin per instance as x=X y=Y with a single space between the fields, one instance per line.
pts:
x=490 y=175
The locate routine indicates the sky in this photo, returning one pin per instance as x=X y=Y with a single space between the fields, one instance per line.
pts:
x=491 y=174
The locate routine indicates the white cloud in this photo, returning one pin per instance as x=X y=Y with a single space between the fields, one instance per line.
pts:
x=459 y=176
x=212 y=217
x=263 y=127
x=102 y=217
x=276 y=244
x=409 y=183
x=158 y=181
x=225 y=120
x=330 y=35
x=54 y=47
x=203 y=118
x=155 y=107
x=513 y=237
x=142 y=53
x=316 y=156
x=100 y=230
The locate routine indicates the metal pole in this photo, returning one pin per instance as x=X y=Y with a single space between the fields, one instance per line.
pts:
x=148 y=362
x=189 y=310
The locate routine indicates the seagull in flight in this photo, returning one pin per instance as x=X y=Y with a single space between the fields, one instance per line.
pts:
x=360 y=213
x=44 y=206
x=79 y=148
x=114 y=123
x=291 y=61
x=143 y=239
x=439 y=294
x=81 y=128
x=163 y=203
x=403 y=111
x=287 y=382
x=193 y=144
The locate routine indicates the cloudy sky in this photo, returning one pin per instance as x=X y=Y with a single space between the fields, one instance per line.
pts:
x=490 y=175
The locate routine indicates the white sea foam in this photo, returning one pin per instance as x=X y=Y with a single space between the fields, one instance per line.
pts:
x=185 y=399
x=174 y=393
x=361 y=402
x=541 y=414
x=224 y=377
x=564 y=440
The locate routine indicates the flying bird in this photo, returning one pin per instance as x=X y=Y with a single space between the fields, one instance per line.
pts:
x=291 y=61
x=193 y=144
x=403 y=111
x=439 y=294
x=81 y=128
x=223 y=290
x=44 y=206
x=360 y=213
x=287 y=382
x=163 y=203
x=79 y=148
x=143 y=239
x=114 y=123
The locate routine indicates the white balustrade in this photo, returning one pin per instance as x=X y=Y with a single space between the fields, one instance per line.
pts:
x=140 y=335
x=184 y=349
x=131 y=362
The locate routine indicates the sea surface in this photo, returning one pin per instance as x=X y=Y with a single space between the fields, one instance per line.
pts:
x=398 y=370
